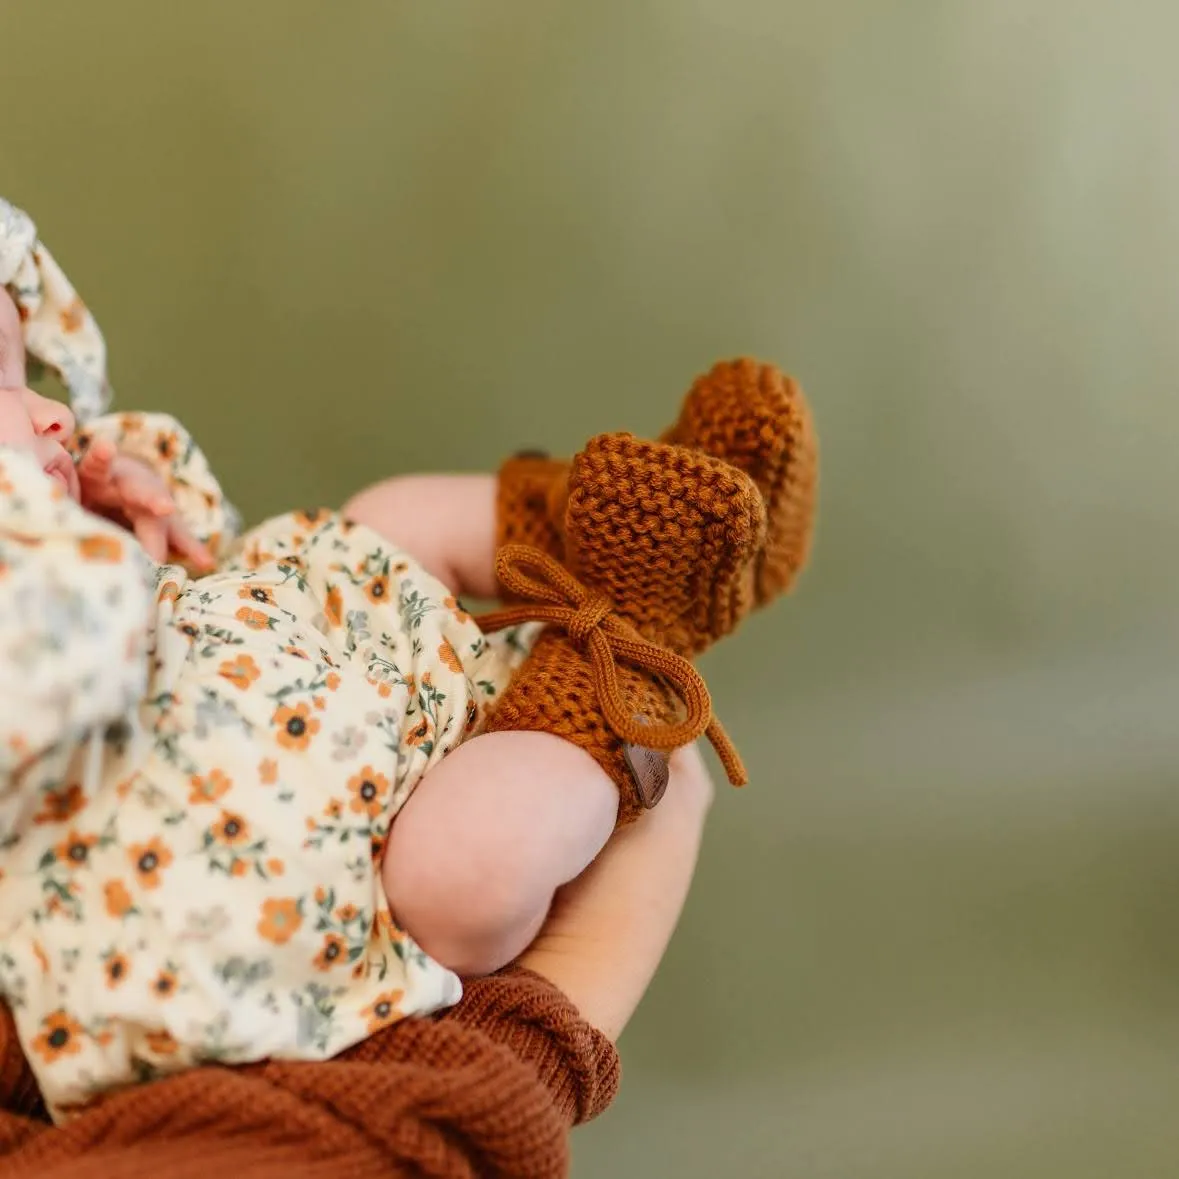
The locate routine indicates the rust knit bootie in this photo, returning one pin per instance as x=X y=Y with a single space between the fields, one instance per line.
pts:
x=747 y=414
x=656 y=538
x=753 y=416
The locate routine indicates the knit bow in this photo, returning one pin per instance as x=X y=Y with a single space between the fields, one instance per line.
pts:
x=552 y=595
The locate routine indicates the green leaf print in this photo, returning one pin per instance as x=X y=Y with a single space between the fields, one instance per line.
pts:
x=413 y=606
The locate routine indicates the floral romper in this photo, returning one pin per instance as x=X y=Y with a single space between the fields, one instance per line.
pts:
x=197 y=778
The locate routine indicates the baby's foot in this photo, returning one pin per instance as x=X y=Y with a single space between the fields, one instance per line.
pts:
x=658 y=540
x=754 y=417
x=742 y=412
x=668 y=535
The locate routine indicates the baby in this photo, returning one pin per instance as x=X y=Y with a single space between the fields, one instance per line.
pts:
x=262 y=796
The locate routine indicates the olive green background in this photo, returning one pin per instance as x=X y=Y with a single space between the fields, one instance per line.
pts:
x=937 y=935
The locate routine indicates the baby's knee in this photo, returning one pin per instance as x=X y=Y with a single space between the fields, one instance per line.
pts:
x=467 y=911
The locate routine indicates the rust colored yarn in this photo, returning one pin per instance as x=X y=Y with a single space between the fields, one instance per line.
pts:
x=531 y=493
x=487 y=1092
x=554 y=596
x=756 y=418
x=744 y=412
x=659 y=538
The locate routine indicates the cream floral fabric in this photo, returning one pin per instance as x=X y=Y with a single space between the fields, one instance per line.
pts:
x=59 y=330
x=197 y=778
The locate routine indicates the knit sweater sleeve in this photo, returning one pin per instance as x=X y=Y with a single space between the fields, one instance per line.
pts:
x=75 y=598
x=487 y=1092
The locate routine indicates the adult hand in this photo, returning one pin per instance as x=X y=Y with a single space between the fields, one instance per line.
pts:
x=608 y=929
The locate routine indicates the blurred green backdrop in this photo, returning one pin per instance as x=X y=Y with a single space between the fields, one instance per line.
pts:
x=937 y=936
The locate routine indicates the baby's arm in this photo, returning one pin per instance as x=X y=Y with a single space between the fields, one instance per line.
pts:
x=489 y=834
x=75 y=601
x=447 y=522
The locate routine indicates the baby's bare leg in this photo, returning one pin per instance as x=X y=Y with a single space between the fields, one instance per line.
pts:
x=445 y=522
x=490 y=833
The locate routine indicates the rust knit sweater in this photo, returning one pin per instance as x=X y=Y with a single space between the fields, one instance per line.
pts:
x=487 y=1092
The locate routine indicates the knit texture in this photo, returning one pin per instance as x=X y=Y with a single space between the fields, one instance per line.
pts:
x=757 y=419
x=743 y=412
x=532 y=491
x=488 y=1091
x=659 y=540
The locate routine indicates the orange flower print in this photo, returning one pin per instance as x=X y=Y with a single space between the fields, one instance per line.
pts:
x=268 y=771
x=312 y=518
x=377 y=847
x=164 y=984
x=384 y=1011
x=74 y=850
x=334 y=809
x=256 y=593
x=190 y=631
x=254 y=619
x=256 y=556
x=333 y=606
x=454 y=605
x=240 y=672
x=168 y=592
x=377 y=590
x=419 y=732
x=161 y=1043
x=347 y=913
x=333 y=953
x=118 y=899
x=59 y=805
x=57 y=903
x=332 y=681
x=238 y=868
x=296 y=726
x=368 y=790
x=208 y=787
x=280 y=920
x=117 y=967
x=167 y=445
x=230 y=830
x=383 y=687
x=60 y=1036
x=73 y=316
x=149 y=860
x=449 y=657
x=275 y=867
x=100 y=549
x=319 y=702
x=297 y=652
x=42 y=958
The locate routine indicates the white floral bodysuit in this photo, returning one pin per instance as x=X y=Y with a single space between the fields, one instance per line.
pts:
x=197 y=778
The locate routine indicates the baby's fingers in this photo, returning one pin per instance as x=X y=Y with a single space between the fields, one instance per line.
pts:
x=152 y=533
x=142 y=489
x=185 y=544
x=95 y=465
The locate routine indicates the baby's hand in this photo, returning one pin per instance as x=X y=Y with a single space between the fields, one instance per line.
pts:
x=130 y=493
